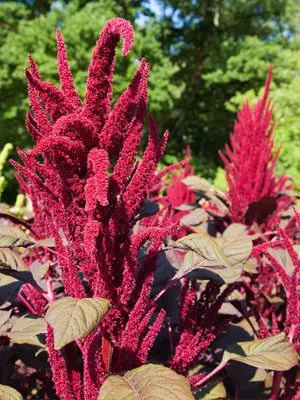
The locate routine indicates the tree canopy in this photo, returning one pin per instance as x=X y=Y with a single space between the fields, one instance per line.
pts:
x=206 y=56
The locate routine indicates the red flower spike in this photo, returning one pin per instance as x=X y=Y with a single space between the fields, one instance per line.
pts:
x=97 y=186
x=87 y=193
x=99 y=82
x=64 y=72
x=250 y=164
x=149 y=339
x=59 y=370
x=132 y=102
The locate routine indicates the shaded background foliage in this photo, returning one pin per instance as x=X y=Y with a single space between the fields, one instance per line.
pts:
x=205 y=57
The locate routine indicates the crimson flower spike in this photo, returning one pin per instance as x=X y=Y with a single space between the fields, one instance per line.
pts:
x=64 y=71
x=250 y=162
x=87 y=188
x=99 y=82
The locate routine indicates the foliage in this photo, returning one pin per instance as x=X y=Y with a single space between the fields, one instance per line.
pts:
x=223 y=49
x=205 y=56
x=220 y=180
x=128 y=281
x=285 y=92
x=3 y=157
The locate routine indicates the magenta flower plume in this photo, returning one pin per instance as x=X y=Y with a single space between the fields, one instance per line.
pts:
x=250 y=165
x=86 y=193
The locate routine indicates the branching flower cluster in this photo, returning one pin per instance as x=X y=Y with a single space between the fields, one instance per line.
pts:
x=255 y=191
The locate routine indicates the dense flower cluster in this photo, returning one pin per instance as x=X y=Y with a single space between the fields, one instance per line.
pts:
x=255 y=191
x=86 y=193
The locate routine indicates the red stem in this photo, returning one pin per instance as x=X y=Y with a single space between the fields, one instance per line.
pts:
x=276 y=384
x=53 y=252
x=210 y=375
x=25 y=302
x=292 y=333
x=51 y=294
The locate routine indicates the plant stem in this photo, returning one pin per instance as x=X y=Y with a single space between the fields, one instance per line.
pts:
x=51 y=294
x=276 y=384
x=54 y=252
x=152 y=304
x=211 y=374
x=79 y=345
x=164 y=290
x=292 y=333
x=237 y=392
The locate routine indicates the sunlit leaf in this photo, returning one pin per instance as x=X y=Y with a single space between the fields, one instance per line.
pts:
x=283 y=257
x=48 y=242
x=9 y=287
x=10 y=260
x=27 y=328
x=13 y=237
x=4 y=317
x=212 y=390
x=194 y=217
x=73 y=318
x=39 y=271
x=235 y=230
x=274 y=353
x=11 y=264
x=151 y=381
x=222 y=258
x=196 y=183
x=9 y=393
x=251 y=266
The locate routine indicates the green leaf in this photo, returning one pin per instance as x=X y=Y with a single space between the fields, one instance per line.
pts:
x=150 y=381
x=213 y=390
x=4 y=317
x=235 y=230
x=13 y=237
x=9 y=393
x=196 y=183
x=223 y=257
x=9 y=287
x=195 y=217
x=12 y=265
x=10 y=260
x=251 y=266
x=283 y=257
x=73 y=318
x=39 y=271
x=274 y=353
x=48 y=242
x=27 y=328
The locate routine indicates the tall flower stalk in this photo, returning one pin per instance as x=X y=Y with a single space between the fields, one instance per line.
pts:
x=250 y=163
x=87 y=187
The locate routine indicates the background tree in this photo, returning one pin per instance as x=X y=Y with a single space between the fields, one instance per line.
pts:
x=223 y=48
